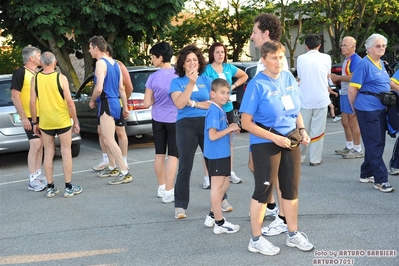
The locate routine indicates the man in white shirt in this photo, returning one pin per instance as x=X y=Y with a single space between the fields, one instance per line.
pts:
x=313 y=71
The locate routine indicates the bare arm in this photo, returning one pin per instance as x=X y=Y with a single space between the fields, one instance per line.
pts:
x=127 y=82
x=251 y=127
x=32 y=106
x=20 y=110
x=70 y=103
x=101 y=69
x=241 y=78
x=148 y=98
x=214 y=134
x=299 y=124
x=394 y=86
x=336 y=78
x=352 y=93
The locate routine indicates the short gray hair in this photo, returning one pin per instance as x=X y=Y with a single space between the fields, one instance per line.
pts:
x=47 y=58
x=29 y=51
x=371 y=40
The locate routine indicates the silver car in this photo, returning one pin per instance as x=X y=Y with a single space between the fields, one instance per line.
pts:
x=139 y=121
x=12 y=134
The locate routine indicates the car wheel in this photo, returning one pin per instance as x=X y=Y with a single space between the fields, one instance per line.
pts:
x=75 y=150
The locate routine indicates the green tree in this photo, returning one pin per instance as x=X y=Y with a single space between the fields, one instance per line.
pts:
x=207 y=22
x=64 y=27
x=10 y=57
x=291 y=16
x=347 y=17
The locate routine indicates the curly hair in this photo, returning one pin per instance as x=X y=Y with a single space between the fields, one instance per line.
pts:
x=212 y=52
x=179 y=67
x=271 y=23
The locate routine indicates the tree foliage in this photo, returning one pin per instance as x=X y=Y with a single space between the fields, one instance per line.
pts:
x=10 y=57
x=208 y=22
x=347 y=17
x=64 y=27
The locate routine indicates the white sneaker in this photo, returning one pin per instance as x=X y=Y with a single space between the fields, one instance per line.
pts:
x=271 y=213
x=226 y=228
x=168 y=196
x=369 y=179
x=42 y=179
x=36 y=185
x=336 y=119
x=206 y=184
x=209 y=221
x=234 y=178
x=275 y=228
x=300 y=241
x=101 y=166
x=263 y=246
x=161 y=192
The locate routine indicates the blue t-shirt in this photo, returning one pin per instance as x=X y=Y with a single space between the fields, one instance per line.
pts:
x=229 y=71
x=220 y=148
x=348 y=67
x=199 y=95
x=372 y=78
x=395 y=77
x=262 y=100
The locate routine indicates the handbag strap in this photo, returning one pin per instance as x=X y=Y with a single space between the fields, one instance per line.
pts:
x=269 y=129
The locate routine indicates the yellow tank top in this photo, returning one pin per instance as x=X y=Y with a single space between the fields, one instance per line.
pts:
x=54 y=113
x=25 y=93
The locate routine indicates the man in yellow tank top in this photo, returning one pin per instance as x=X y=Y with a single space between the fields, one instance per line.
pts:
x=20 y=91
x=51 y=91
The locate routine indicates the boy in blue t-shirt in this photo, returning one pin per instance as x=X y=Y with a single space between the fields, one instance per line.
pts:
x=217 y=155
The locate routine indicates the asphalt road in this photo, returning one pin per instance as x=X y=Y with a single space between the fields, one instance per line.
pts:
x=129 y=225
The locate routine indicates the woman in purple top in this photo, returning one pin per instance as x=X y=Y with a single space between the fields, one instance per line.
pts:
x=164 y=114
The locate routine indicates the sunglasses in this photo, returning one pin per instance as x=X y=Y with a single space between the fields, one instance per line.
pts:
x=379 y=46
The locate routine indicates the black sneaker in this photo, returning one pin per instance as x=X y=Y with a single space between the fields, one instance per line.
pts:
x=384 y=187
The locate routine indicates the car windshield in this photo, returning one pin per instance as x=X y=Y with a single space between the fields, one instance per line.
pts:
x=5 y=93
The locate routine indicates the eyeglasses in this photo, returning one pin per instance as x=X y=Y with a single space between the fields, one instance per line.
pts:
x=345 y=45
x=379 y=46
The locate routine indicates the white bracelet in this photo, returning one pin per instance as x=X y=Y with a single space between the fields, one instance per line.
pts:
x=192 y=104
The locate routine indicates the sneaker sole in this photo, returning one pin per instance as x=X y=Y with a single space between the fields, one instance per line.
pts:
x=298 y=247
x=180 y=216
x=168 y=200
x=121 y=182
x=254 y=250
x=53 y=195
x=365 y=180
x=236 y=182
x=36 y=190
x=225 y=232
x=67 y=195
x=385 y=190
x=228 y=209
x=274 y=233
x=352 y=157
x=206 y=187
x=102 y=176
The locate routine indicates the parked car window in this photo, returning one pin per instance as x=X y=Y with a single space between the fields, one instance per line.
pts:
x=139 y=121
x=5 y=94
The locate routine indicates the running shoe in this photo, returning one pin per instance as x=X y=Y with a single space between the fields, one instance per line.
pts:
x=121 y=179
